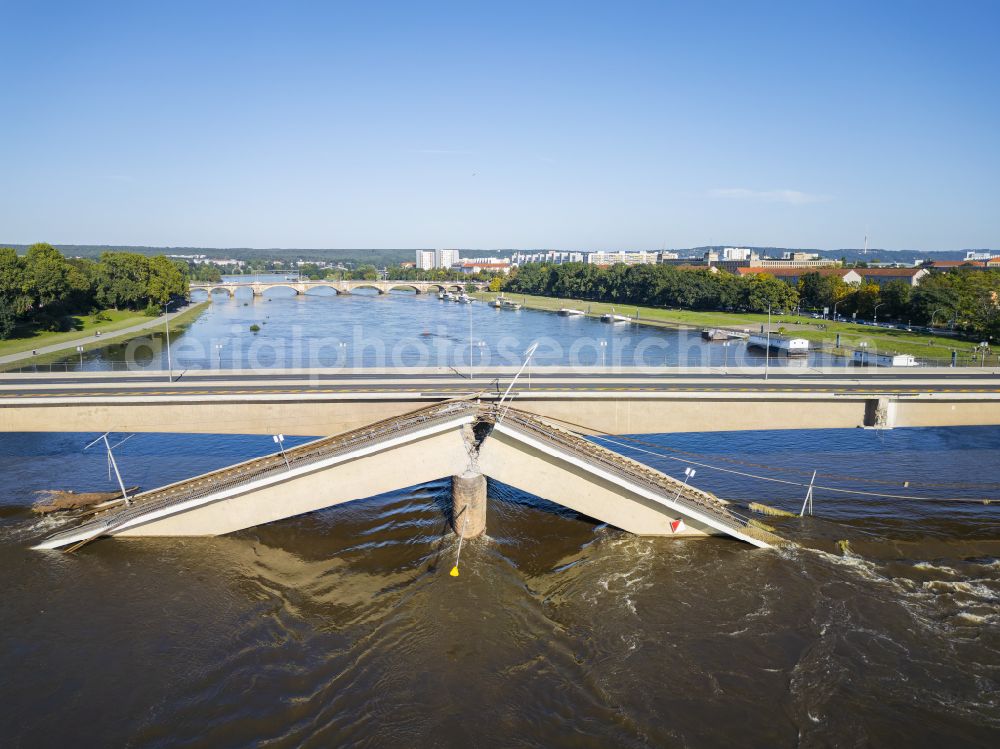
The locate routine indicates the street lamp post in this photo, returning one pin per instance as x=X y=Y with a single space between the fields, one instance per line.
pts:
x=725 y=353
x=79 y=350
x=279 y=440
x=604 y=348
x=767 y=348
x=835 y=309
x=218 y=347
x=688 y=475
x=880 y=304
x=166 y=329
x=939 y=309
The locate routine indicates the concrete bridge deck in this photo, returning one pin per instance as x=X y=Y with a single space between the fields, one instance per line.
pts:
x=421 y=446
x=307 y=402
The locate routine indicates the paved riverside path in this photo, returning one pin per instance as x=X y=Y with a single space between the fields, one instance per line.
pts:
x=84 y=340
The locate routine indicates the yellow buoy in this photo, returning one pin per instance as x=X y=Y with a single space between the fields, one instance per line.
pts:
x=454 y=571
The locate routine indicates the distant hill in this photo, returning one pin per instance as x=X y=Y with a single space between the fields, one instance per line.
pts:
x=390 y=256
x=375 y=257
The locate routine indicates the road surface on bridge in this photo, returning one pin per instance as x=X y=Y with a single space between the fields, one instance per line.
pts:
x=595 y=401
x=221 y=383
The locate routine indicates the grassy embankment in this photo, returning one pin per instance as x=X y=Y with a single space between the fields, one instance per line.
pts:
x=922 y=345
x=119 y=319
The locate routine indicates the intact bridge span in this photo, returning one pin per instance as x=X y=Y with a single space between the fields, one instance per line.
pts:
x=258 y=288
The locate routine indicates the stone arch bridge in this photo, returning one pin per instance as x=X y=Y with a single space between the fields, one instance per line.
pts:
x=341 y=287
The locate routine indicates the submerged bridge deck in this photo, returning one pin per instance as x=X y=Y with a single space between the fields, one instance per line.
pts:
x=423 y=445
x=277 y=466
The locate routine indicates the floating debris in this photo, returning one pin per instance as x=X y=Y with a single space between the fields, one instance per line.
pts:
x=58 y=500
x=768 y=510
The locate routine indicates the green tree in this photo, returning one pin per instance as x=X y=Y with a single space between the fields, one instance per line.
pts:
x=864 y=299
x=205 y=272
x=47 y=271
x=123 y=280
x=8 y=319
x=166 y=279
x=365 y=273
x=15 y=289
x=817 y=290
x=762 y=291
x=896 y=297
x=936 y=299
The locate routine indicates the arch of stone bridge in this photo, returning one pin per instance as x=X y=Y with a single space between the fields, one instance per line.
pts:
x=306 y=288
x=374 y=286
x=266 y=288
x=421 y=289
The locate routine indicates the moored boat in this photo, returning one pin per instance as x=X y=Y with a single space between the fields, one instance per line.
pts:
x=788 y=346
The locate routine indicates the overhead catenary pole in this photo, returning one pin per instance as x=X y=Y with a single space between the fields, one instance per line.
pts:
x=166 y=329
x=527 y=358
x=470 y=340
x=808 y=501
x=113 y=463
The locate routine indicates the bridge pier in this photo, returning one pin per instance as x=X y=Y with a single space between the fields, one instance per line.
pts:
x=880 y=413
x=468 y=504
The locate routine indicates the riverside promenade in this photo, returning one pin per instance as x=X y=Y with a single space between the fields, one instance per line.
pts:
x=70 y=345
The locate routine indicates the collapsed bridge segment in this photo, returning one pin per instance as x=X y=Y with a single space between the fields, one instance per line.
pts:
x=456 y=438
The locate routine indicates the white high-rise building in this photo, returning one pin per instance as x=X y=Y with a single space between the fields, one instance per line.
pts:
x=628 y=258
x=425 y=259
x=737 y=253
x=446 y=258
x=973 y=255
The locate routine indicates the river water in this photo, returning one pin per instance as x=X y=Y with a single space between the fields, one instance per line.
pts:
x=343 y=627
x=400 y=329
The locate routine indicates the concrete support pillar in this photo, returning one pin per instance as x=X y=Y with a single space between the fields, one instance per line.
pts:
x=880 y=413
x=468 y=504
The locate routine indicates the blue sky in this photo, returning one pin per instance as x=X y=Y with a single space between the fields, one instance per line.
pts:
x=544 y=124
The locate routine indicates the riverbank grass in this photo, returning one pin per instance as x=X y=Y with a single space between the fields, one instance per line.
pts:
x=80 y=326
x=177 y=324
x=886 y=340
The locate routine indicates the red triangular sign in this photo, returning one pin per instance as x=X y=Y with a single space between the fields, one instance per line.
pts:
x=677 y=526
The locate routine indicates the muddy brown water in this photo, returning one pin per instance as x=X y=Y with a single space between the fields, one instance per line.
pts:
x=343 y=627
